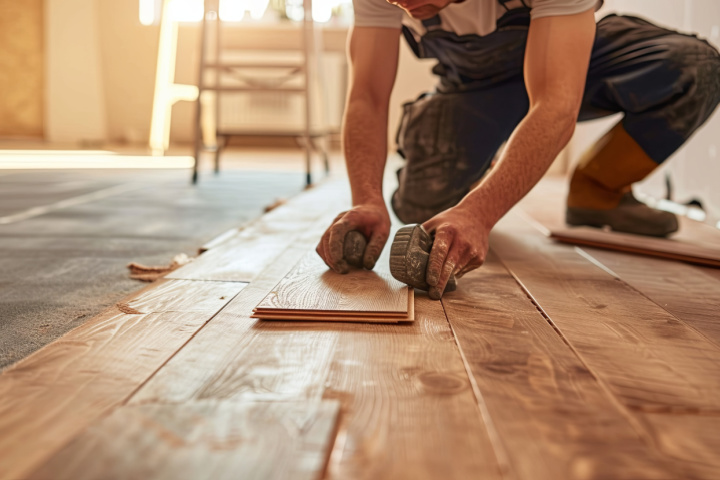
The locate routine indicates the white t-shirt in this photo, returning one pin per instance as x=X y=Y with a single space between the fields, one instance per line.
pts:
x=476 y=17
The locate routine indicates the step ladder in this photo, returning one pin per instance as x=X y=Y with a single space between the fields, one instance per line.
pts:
x=210 y=136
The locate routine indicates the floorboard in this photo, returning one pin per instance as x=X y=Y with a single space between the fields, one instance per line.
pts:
x=395 y=382
x=686 y=291
x=49 y=397
x=553 y=417
x=695 y=252
x=651 y=360
x=208 y=440
x=243 y=257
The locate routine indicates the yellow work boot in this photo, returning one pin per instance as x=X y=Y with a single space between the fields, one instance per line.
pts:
x=600 y=189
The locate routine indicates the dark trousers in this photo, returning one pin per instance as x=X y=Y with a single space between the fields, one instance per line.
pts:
x=666 y=84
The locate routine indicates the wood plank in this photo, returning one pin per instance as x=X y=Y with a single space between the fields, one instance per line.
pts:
x=696 y=253
x=553 y=417
x=228 y=359
x=686 y=291
x=311 y=287
x=396 y=383
x=185 y=296
x=207 y=440
x=344 y=317
x=689 y=440
x=242 y=258
x=47 y=398
x=649 y=359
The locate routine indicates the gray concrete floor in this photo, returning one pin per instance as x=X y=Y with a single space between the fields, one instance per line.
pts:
x=59 y=269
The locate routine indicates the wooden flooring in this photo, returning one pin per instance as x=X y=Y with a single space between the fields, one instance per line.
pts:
x=550 y=362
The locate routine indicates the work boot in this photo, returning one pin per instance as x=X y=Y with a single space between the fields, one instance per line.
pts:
x=630 y=216
x=601 y=189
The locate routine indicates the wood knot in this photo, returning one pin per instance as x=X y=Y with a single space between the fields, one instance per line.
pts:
x=125 y=308
x=442 y=383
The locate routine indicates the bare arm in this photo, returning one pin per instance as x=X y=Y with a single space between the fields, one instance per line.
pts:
x=373 y=56
x=556 y=63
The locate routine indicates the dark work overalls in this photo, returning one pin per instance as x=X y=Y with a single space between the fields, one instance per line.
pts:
x=666 y=83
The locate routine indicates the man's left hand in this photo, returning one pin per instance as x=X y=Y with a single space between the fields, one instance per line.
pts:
x=460 y=245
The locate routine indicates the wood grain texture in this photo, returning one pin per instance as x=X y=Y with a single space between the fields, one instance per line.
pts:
x=207 y=440
x=396 y=383
x=648 y=358
x=186 y=296
x=233 y=357
x=691 y=441
x=696 y=253
x=243 y=257
x=46 y=399
x=553 y=417
x=312 y=286
x=408 y=408
x=688 y=292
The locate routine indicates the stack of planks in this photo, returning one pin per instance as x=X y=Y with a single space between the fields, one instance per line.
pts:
x=549 y=362
x=313 y=292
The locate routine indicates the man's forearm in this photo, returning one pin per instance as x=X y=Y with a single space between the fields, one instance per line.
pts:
x=533 y=146
x=365 y=147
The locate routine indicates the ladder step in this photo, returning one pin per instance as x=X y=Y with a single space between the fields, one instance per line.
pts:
x=254 y=89
x=298 y=66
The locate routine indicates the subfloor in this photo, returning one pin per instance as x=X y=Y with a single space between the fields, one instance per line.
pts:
x=549 y=362
x=68 y=234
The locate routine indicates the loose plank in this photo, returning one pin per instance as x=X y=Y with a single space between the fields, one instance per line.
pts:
x=696 y=253
x=552 y=415
x=649 y=359
x=46 y=399
x=686 y=291
x=243 y=257
x=312 y=286
x=205 y=440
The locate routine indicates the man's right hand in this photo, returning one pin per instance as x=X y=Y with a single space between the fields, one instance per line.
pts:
x=372 y=220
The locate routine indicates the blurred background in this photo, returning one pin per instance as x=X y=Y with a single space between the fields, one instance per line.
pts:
x=106 y=104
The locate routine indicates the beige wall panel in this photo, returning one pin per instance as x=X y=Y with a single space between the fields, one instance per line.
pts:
x=21 y=68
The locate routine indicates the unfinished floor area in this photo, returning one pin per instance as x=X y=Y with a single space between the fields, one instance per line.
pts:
x=550 y=362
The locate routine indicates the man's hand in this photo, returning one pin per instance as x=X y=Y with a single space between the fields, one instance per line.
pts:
x=460 y=245
x=372 y=220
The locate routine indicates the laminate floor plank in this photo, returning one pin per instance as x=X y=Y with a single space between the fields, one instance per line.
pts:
x=184 y=296
x=648 y=358
x=553 y=417
x=408 y=408
x=689 y=440
x=690 y=293
x=310 y=287
x=205 y=440
x=243 y=257
x=695 y=252
x=49 y=397
x=234 y=358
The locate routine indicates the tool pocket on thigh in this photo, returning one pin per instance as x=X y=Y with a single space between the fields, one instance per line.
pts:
x=429 y=143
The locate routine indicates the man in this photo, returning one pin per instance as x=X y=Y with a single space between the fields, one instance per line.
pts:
x=522 y=72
